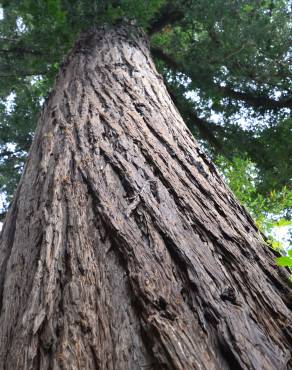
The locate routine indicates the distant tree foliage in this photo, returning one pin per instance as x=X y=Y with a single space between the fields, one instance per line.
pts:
x=227 y=66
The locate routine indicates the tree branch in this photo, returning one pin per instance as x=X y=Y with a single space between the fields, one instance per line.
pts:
x=169 y=61
x=205 y=128
x=186 y=110
x=2 y=216
x=24 y=74
x=168 y=15
x=20 y=51
x=256 y=101
x=5 y=153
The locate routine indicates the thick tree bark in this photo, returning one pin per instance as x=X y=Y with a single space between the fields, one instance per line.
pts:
x=123 y=248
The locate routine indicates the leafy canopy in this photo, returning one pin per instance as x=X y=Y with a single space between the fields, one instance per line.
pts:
x=227 y=66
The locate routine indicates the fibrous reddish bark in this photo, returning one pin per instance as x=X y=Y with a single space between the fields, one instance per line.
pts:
x=123 y=248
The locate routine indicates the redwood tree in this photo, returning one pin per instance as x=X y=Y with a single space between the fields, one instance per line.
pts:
x=123 y=248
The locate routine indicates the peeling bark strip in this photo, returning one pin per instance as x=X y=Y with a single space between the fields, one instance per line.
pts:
x=123 y=248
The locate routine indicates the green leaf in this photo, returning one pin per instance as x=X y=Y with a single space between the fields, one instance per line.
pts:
x=247 y=8
x=283 y=222
x=284 y=261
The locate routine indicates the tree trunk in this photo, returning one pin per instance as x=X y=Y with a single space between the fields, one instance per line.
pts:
x=123 y=248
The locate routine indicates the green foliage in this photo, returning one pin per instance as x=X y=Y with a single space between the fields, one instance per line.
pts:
x=286 y=261
x=270 y=211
